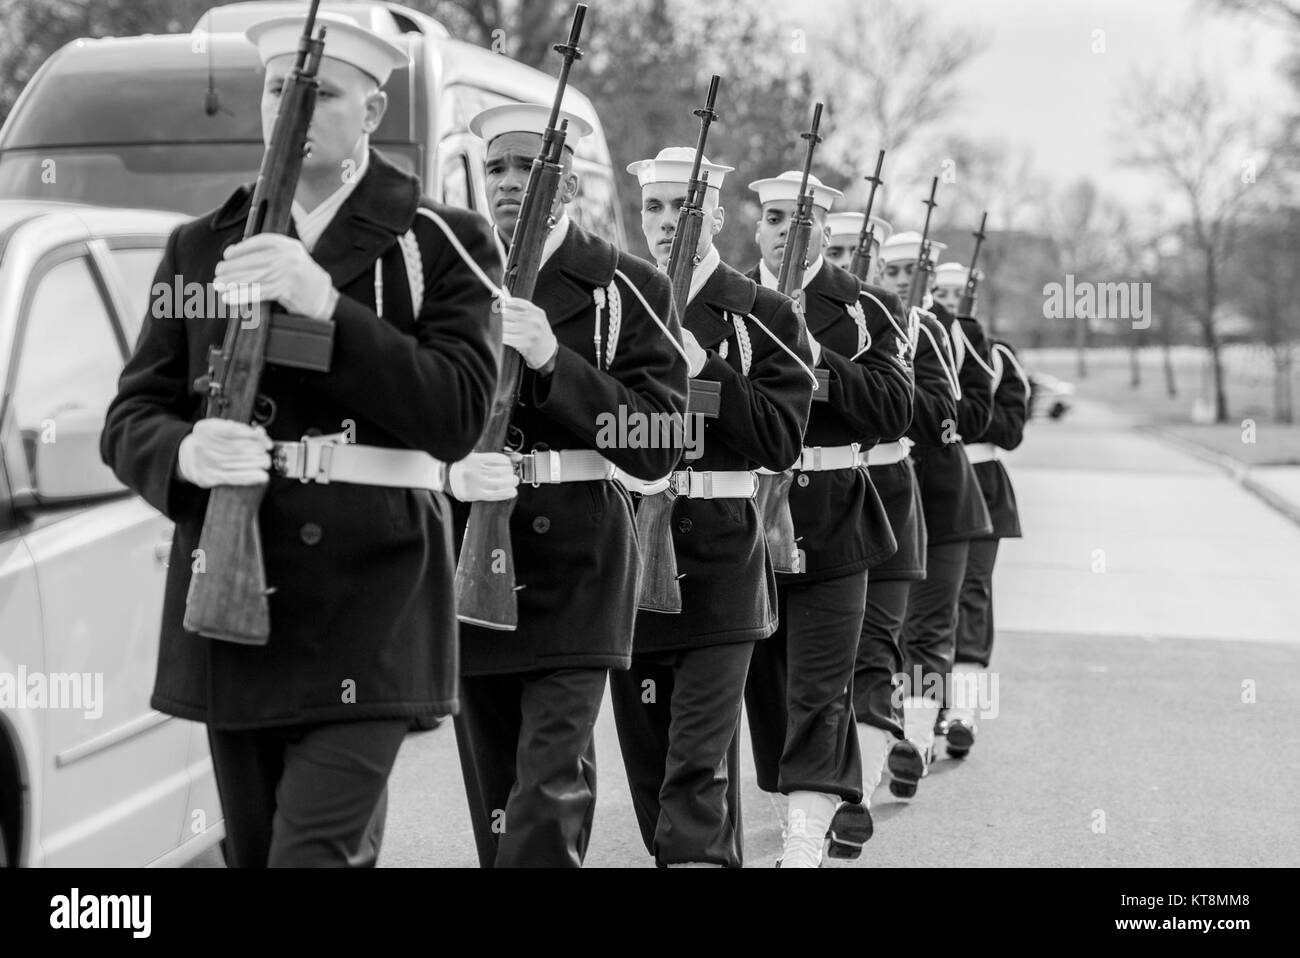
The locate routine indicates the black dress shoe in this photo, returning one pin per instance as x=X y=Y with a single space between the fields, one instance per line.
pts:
x=906 y=767
x=850 y=829
x=961 y=736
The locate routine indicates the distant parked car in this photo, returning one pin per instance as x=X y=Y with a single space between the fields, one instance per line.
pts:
x=83 y=560
x=1050 y=397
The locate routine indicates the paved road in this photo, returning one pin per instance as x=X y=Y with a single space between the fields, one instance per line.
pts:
x=1149 y=675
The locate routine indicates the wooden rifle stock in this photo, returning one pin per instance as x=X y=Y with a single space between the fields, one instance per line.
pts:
x=861 y=264
x=485 y=572
x=659 y=590
x=774 y=489
x=967 y=305
x=227 y=596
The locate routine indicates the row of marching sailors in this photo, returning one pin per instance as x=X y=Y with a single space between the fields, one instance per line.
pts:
x=920 y=522
x=879 y=463
x=884 y=489
x=361 y=558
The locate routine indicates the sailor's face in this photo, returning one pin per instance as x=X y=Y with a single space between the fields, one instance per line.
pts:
x=661 y=205
x=506 y=165
x=948 y=296
x=774 y=230
x=841 y=250
x=897 y=277
x=349 y=106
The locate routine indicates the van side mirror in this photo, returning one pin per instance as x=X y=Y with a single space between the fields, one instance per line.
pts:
x=66 y=463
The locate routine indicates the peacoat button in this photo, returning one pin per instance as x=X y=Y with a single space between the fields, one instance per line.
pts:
x=541 y=525
x=803 y=479
x=310 y=534
x=684 y=526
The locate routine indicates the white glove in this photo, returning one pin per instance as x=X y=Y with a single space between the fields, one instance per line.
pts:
x=269 y=267
x=486 y=476
x=695 y=356
x=526 y=329
x=221 y=452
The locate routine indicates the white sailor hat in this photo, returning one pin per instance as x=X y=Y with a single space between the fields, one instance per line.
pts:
x=673 y=164
x=786 y=187
x=950 y=274
x=525 y=118
x=345 y=40
x=907 y=246
x=850 y=224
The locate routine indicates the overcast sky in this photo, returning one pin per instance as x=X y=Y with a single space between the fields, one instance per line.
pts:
x=1039 y=83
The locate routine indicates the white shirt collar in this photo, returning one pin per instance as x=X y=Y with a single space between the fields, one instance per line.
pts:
x=311 y=225
x=771 y=281
x=708 y=266
x=555 y=237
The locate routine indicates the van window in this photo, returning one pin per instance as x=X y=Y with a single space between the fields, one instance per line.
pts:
x=137 y=267
x=96 y=128
x=594 y=206
x=456 y=190
x=69 y=358
x=187 y=178
x=101 y=95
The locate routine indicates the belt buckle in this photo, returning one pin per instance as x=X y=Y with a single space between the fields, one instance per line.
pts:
x=526 y=469
x=317 y=451
x=286 y=459
x=680 y=483
x=540 y=466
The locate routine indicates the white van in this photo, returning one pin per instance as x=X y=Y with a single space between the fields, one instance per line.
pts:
x=173 y=122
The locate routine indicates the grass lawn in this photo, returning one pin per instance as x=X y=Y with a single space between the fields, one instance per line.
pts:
x=1250 y=436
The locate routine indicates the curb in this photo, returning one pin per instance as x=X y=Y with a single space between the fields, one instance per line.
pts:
x=1239 y=472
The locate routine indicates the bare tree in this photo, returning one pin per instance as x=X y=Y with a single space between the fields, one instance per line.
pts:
x=889 y=77
x=1189 y=135
x=1083 y=227
x=991 y=177
x=1284 y=12
x=1266 y=283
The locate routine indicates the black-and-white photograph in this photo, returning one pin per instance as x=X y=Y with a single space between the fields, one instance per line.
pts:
x=645 y=433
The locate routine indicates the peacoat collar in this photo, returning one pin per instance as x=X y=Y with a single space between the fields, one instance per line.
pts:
x=726 y=291
x=831 y=292
x=826 y=295
x=566 y=280
x=380 y=209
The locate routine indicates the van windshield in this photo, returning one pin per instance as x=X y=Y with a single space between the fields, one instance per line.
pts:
x=186 y=177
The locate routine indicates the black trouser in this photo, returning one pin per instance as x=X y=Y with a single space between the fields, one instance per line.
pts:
x=678 y=715
x=975 y=624
x=529 y=761
x=930 y=631
x=879 y=656
x=799 y=696
x=305 y=796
